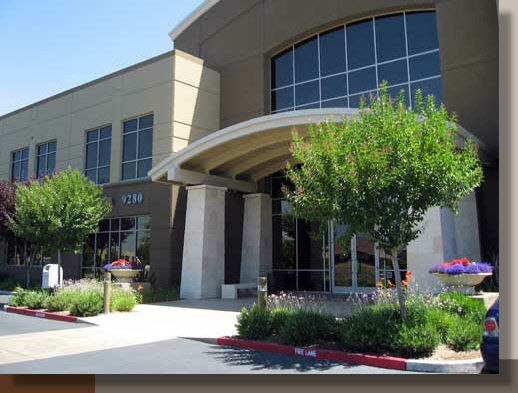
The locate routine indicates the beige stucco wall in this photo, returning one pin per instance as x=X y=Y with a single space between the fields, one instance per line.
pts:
x=172 y=83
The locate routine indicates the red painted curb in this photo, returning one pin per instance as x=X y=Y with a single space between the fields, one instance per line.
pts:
x=352 y=358
x=40 y=314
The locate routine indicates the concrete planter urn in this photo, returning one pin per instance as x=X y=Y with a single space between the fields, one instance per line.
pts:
x=461 y=275
x=463 y=283
x=125 y=275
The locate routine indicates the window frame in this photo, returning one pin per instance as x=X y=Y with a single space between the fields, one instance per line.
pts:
x=46 y=154
x=98 y=167
x=20 y=161
x=321 y=102
x=137 y=159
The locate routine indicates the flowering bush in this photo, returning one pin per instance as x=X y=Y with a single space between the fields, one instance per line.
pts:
x=289 y=301
x=122 y=264
x=461 y=266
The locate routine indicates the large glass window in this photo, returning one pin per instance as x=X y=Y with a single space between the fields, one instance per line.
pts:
x=45 y=159
x=98 y=154
x=338 y=67
x=20 y=165
x=137 y=147
x=118 y=238
x=17 y=250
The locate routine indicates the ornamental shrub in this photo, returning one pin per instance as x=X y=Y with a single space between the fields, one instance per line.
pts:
x=35 y=300
x=464 y=336
x=463 y=306
x=18 y=299
x=278 y=318
x=123 y=300
x=254 y=324
x=87 y=304
x=304 y=327
x=380 y=329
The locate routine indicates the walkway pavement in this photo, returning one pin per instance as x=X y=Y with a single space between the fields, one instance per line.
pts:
x=202 y=320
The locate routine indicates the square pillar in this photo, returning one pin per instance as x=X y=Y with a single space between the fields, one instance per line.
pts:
x=256 y=251
x=203 y=263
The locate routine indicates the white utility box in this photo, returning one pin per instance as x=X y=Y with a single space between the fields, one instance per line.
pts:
x=50 y=277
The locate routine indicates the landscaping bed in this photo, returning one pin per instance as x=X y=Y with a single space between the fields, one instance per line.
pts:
x=83 y=298
x=446 y=326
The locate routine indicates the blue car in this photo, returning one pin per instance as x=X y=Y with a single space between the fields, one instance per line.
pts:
x=490 y=341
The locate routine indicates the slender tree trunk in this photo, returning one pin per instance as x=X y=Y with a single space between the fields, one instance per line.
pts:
x=33 y=253
x=59 y=267
x=27 y=267
x=399 y=288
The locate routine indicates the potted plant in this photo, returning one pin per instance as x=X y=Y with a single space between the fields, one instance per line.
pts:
x=462 y=275
x=124 y=271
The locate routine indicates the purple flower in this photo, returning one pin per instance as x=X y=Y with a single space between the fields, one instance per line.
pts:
x=108 y=266
x=455 y=269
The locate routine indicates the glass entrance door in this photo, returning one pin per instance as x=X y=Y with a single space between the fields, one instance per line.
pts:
x=354 y=261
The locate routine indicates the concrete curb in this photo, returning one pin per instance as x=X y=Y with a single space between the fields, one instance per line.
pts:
x=41 y=314
x=449 y=367
x=353 y=358
x=472 y=366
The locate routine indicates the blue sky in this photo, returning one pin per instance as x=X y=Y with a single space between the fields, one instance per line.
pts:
x=48 y=46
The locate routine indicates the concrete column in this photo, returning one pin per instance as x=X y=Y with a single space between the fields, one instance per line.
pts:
x=256 y=251
x=203 y=264
x=466 y=229
x=427 y=250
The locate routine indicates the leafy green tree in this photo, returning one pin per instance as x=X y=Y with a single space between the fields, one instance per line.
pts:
x=379 y=172
x=59 y=211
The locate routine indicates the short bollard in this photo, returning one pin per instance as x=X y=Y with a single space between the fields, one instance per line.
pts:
x=262 y=292
x=107 y=291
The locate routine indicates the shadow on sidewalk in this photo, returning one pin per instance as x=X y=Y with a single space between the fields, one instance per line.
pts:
x=259 y=360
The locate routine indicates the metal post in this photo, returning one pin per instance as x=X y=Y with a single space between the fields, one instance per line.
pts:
x=262 y=292
x=107 y=291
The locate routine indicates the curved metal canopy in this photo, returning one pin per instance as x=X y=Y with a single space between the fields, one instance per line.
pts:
x=238 y=156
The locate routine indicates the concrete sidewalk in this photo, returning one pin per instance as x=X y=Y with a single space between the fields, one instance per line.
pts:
x=202 y=319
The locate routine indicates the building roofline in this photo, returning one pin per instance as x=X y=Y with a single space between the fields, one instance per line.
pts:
x=191 y=18
x=98 y=80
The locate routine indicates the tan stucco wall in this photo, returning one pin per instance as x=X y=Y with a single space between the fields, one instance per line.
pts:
x=172 y=83
x=239 y=37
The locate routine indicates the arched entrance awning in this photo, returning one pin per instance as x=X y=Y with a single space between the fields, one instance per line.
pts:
x=238 y=156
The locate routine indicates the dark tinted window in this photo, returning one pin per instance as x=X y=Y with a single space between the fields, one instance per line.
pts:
x=145 y=143
x=306 y=93
x=338 y=103
x=393 y=92
x=362 y=80
x=137 y=147
x=282 y=98
x=390 y=37
x=306 y=60
x=282 y=69
x=104 y=152
x=144 y=166
x=91 y=155
x=393 y=72
x=20 y=165
x=105 y=132
x=400 y=49
x=354 y=100
x=130 y=125
x=98 y=154
x=128 y=170
x=332 y=52
x=145 y=122
x=424 y=66
x=421 y=31
x=92 y=136
x=130 y=147
x=334 y=86
x=360 y=44
x=42 y=149
x=430 y=86
x=51 y=163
